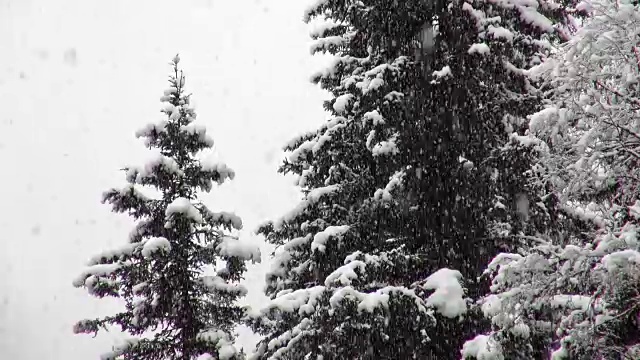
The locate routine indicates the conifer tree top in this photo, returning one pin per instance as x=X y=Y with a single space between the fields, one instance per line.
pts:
x=179 y=273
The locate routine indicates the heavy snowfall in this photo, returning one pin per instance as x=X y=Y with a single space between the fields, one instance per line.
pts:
x=325 y=179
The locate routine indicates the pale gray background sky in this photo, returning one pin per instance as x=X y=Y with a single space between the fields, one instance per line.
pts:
x=77 y=78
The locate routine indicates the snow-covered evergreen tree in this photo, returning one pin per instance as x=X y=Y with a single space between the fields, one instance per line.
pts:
x=179 y=272
x=413 y=181
x=342 y=285
x=581 y=292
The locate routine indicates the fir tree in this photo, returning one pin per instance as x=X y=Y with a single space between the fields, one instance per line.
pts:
x=343 y=285
x=423 y=171
x=179 y=273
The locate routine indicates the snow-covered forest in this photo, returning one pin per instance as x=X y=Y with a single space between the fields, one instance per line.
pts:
x=474 y=193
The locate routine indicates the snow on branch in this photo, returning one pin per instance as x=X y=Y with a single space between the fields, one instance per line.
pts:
x=313 y=197
x=128 y=199
x=374 y=116
x=443 y=73
x=584 y=215
x=321 y=28
x=320 y=239
x=219 y=171
x=172 y=111
x=499 y=32
x=159 y=166
x=221 y=341
x=284 y=254
x=313 y=141
x=233 y=247
x=181 y=207
x=114 y=254
x=312 y=8
x=199 y=132
x=480 y=48
x=98 y=270
x=395 y=181
x=153 y=245
x=216 y=284
x=329 y=44
x=621 y=259
x=289 y=339
x=152 y=129
x=341 y=102
x=379 y=300
x=120 y=349
x=448 y=296
x=366 y=301
x=346 y=274
x=482 y=347
x=226 y=219
x=386 y=147
x=324 y=138
x=302 y=301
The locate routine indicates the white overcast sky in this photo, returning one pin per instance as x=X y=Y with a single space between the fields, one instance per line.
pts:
x=77 y=78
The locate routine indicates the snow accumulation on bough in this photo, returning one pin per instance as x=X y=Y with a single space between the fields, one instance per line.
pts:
x=170 y=90
x=320 y=27
x=172 y=111
x=500 y=264
x=482 y=347
x=532 y=16
x=585 y=215
x=233 y=247
x=225 y=218
x=621 y=259
x=480 y=48
x=199 y=130
x=284 y=254
x=97 y=270
x=124 y=250
x=320 y=239
x=324 y=43
x=444 y=72
x=159 y=162
x=499 y=32
x=217 y=284
x=394 y=181
x=222 y=169
x=366 y=301
x=302 y=301
x=315 y=141
x=154 y=244
x=448 y=297
x=119 y=349
x=325 y=137
x=341 y=103
x=312 y=7
x=345 y=274
x=312 y=197
x=152 y=128
x=386 y=147
x=222 y=342
x=374 y=116
x=578 y=302
x=369 y=302
x=369 y=84
x=183 y=206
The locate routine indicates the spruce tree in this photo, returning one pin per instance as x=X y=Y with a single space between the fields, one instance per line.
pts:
x=343 y=284
x=342 y=287
x=424 y=173
x=179 y=273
